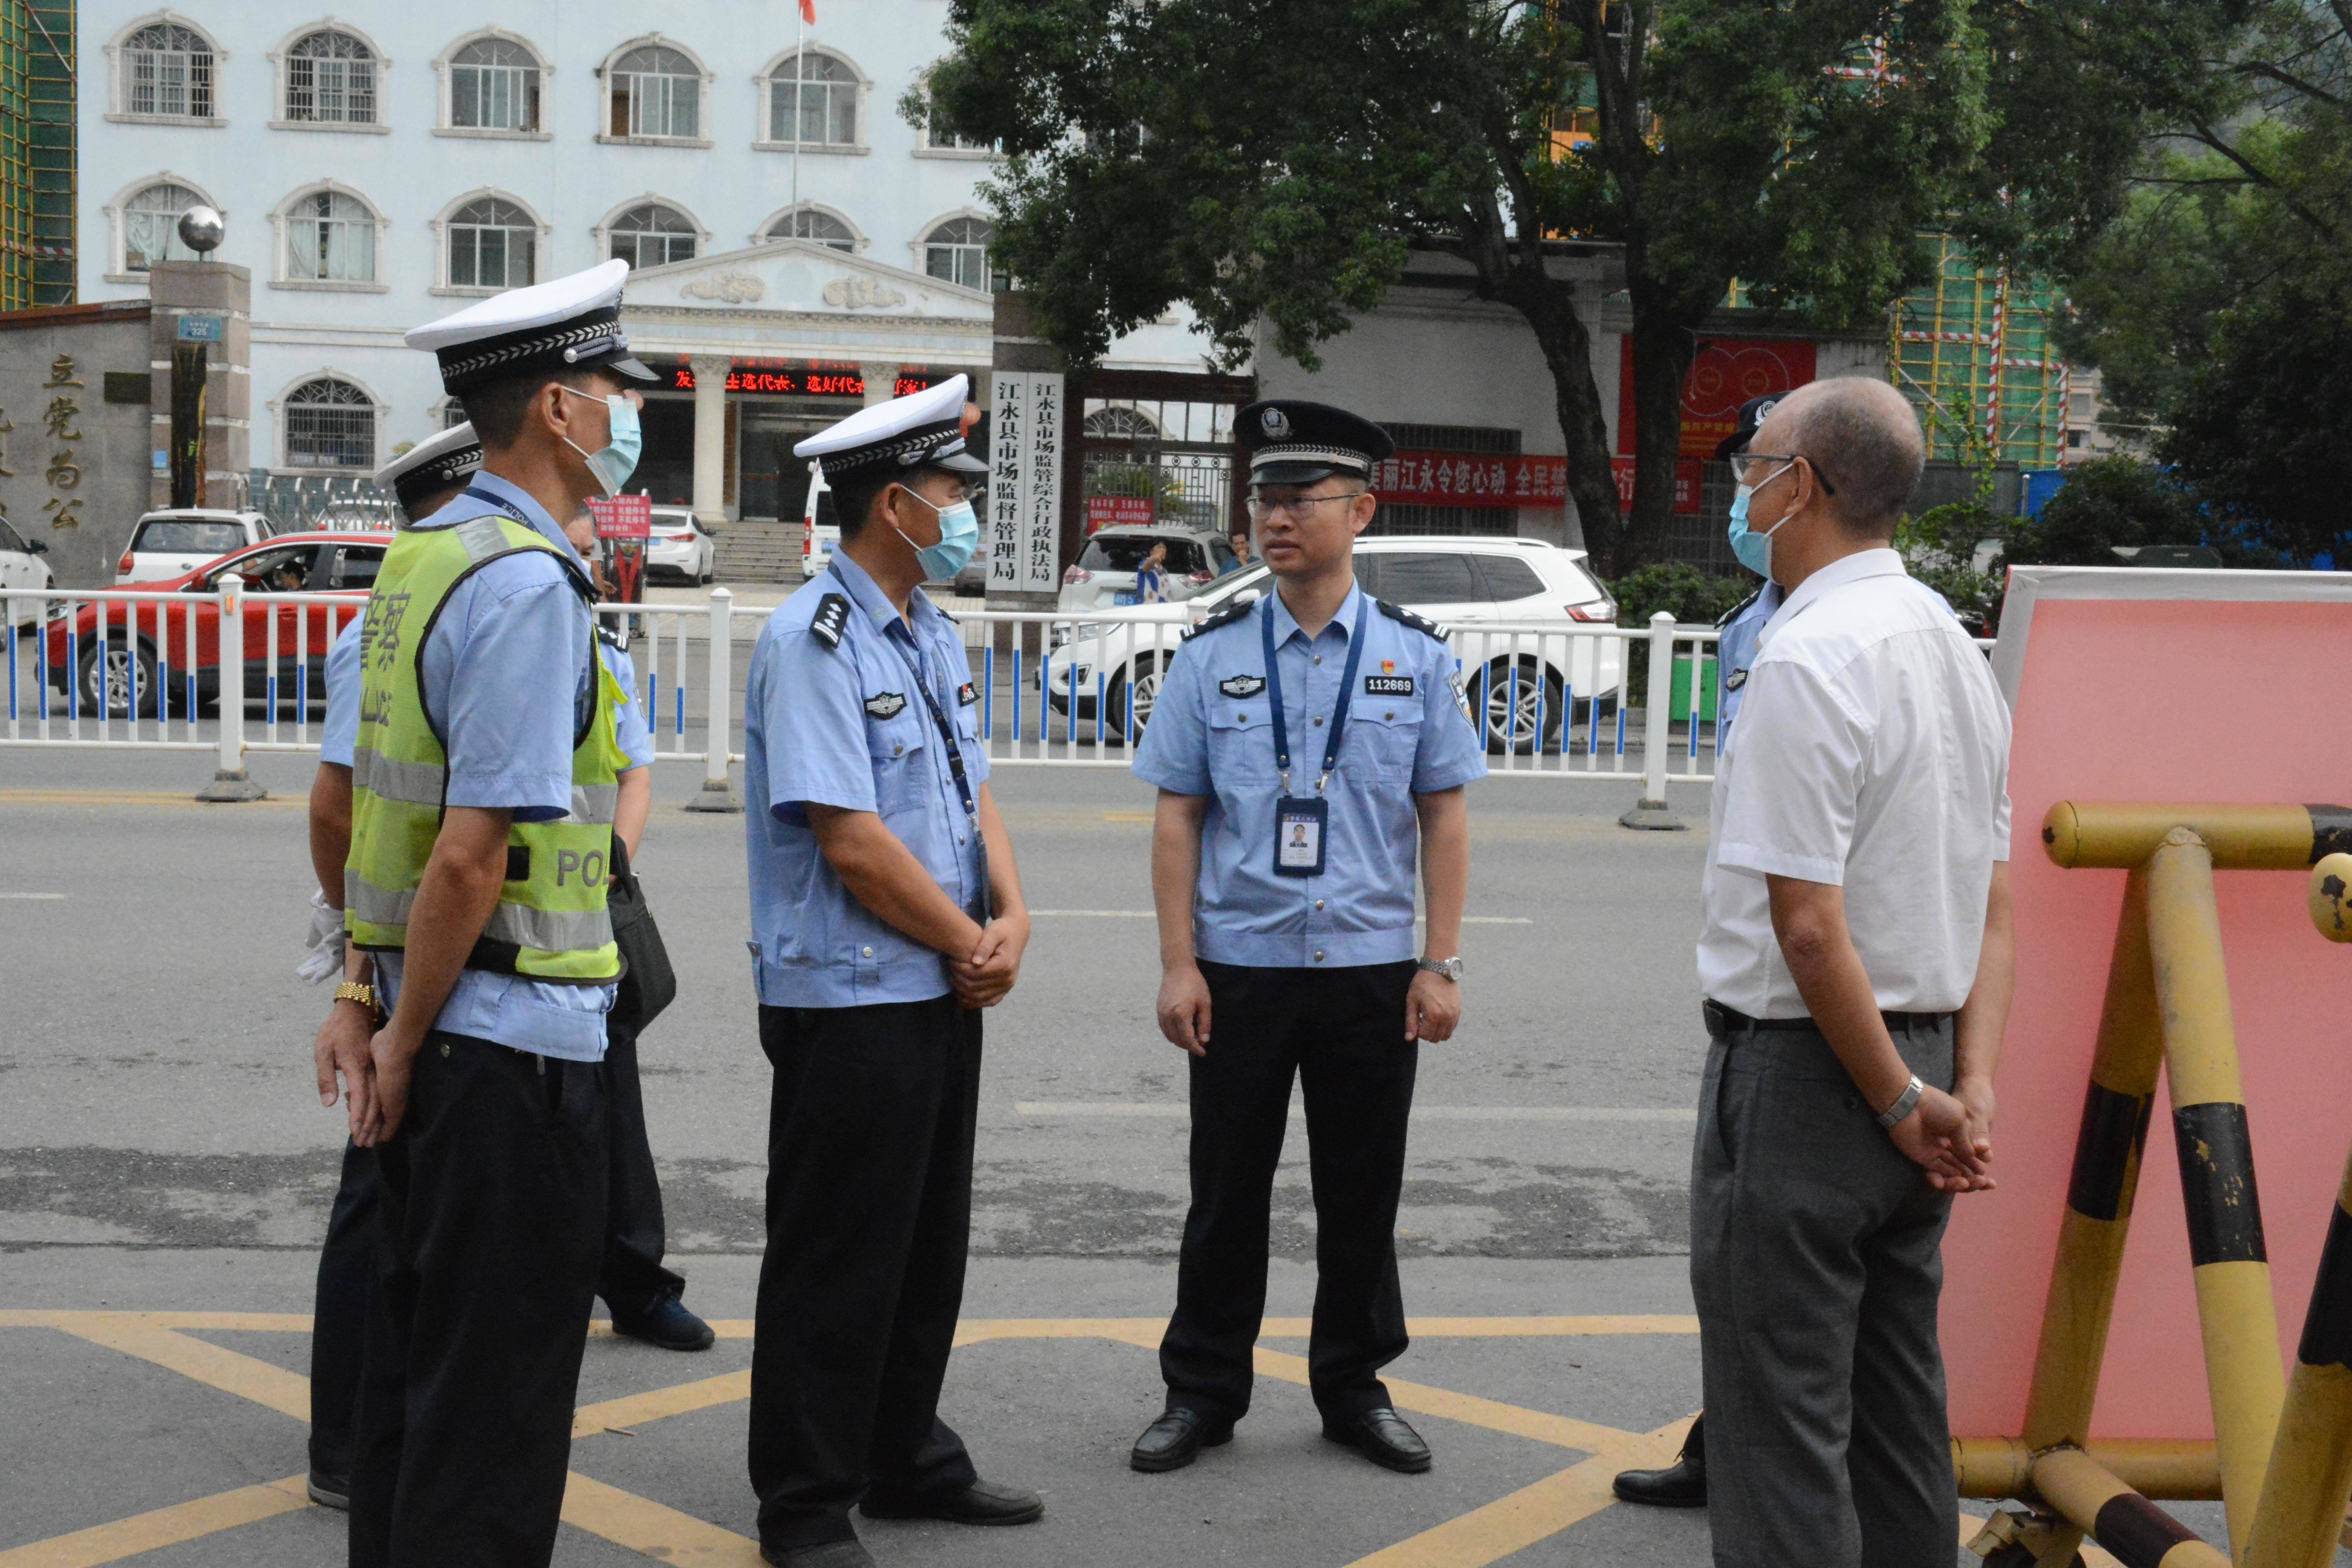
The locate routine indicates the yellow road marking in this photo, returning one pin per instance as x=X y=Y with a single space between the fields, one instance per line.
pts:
x=161 y=1527
x=1533 y=1513
x=262 y=1323
x=646 y=1527
x=1564 y=1431
x=287 y=1393
x=636 y=1409
x=125 y=798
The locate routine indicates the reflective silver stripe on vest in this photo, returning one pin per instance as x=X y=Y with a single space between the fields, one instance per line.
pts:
x=482 y=538
x=550 y=930
x=413 y=784
x=597 y=803
x=570 y=931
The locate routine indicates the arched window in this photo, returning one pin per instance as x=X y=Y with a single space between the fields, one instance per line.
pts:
x=1119 y=423
x=651 y=235
x=957 y=251
x=657 y=91
x=331 y=79
x=809 y=224
x=330 y=423
x=168 y=69
x=494 y=85
x=150 y=227
x=493 y=244
x=331 y=238
x=813 y=98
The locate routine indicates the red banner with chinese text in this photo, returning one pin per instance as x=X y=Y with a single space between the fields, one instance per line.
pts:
x=1463 y=479
x=1726 y=373
x=622 y=517
x=1125 y=511
x=1690 y=474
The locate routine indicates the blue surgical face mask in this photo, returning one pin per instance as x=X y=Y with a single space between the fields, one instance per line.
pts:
x=614 y=462
x=959 y=536
x=1753 y=550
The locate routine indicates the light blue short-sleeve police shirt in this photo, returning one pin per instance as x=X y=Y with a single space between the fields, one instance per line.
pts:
x=1407 y=733
x=339 y=734
x=831 y=717
x=505 y=677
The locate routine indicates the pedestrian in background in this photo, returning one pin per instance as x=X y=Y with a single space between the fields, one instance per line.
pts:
x=1309 y=747
x=1151 y=577
x=1243 y=557
x=1857 y=958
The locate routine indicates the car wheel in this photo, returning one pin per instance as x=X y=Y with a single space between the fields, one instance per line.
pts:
x=1146 y=691
x=109 y=691
x=1519 y=713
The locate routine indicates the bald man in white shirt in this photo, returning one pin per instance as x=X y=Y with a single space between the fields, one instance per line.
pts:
x=1856 y=959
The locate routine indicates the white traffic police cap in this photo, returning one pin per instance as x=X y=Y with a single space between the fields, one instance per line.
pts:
x=921 y=430
x=439 y=462
x=566 y=324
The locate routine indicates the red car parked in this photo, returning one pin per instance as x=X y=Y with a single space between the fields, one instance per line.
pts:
x=342 y=564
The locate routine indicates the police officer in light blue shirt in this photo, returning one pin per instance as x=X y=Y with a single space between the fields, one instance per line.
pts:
x=886 y=913
x=1310 y=748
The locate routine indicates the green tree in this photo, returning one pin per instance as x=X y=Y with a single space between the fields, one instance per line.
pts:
x=1276 y=162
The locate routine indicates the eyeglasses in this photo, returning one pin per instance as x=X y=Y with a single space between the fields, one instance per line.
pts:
x=1745 y=465
x=1261 y=508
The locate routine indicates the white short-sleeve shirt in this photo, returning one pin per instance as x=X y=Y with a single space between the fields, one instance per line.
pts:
x=1871 y=753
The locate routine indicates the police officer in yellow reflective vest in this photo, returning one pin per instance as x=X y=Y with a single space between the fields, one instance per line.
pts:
x=483 y=793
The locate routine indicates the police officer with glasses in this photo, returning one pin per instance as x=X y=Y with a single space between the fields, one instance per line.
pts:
x=1310 y=748
x=886 y=914
x=485 y=781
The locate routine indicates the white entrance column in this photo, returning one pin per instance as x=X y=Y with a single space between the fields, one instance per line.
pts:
x=881 y=377
x=709 y=436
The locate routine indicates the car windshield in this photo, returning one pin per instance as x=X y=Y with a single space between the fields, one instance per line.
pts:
x=1126 y=552
x=188 y=536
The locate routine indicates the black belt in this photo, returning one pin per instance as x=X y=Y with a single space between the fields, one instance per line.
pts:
x=1723 y=1020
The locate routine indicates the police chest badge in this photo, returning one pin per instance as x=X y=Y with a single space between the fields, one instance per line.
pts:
x=967 y=694
x=1243 y=686
x=1735 y=680
x=887 y=704
x=1388 y=686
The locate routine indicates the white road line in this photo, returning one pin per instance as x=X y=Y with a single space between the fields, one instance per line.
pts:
x=1424 y=1112
x=1147 y=915
x=32 y=896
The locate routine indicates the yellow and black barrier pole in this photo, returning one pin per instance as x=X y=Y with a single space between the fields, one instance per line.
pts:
x=2310 y=1477
x=2217 y=1170
x=2123 y=837
x=2139 y=1533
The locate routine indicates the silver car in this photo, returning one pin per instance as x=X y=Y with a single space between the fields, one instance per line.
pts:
x=1103 y=576
x=1511 y=608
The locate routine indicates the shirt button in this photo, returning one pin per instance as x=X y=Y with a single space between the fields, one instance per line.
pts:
x=1318 y=955
x=1390 y=714
x=868 y=952
x=897 y=747
x=1318 y=659
x=1319 y=904
x=1319 y=723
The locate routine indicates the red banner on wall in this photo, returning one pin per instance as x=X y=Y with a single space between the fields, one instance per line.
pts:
x=1727 y=372
x=1690 y=474
x=1461 y=478
x=1130 y=511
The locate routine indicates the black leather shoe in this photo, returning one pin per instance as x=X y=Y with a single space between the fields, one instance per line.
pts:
x=1381 y=1436
x=1682 y=1484
x=666 y=1322
x=331 y=1491
x=979 y=1503
x=1176 y=1439
x=828 y=1554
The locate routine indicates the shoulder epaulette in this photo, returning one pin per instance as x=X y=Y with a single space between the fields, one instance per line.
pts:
x=832 y=616
x=1403 y=616
x=1737 y=610
x=1224 y=617
x=610 y=636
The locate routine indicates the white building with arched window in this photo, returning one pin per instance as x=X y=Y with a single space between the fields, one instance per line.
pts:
x=804 y=248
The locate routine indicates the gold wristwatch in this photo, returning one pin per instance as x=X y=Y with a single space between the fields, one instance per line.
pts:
x=353 y=990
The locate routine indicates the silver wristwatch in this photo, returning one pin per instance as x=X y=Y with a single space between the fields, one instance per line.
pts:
x=1903 y=1105
x=1449 y=967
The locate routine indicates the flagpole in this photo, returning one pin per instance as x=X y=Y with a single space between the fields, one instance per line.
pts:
x=800 y=81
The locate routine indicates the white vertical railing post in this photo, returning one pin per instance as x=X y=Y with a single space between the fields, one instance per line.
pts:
x=718 y=792
x=1649 y=811
x=230 y=781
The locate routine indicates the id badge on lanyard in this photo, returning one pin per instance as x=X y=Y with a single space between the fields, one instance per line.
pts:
x=1300 y=821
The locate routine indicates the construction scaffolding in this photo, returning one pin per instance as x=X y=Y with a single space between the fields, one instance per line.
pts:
x=1972 y=352
x=37 y=181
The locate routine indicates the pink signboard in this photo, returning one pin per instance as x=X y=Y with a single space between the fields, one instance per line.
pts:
x=622 y=517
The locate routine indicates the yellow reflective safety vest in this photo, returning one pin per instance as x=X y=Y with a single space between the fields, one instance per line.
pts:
x=551 y=922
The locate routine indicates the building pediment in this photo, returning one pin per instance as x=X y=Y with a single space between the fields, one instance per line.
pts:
x=800 y=278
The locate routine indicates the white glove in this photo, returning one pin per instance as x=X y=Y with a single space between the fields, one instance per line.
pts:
x=325 y=941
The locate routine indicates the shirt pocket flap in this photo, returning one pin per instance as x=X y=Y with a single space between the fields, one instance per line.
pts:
x=1402 y=711
x=898 y=737
x=1227 y=714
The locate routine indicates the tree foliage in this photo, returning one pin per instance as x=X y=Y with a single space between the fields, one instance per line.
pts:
x=1277 y=160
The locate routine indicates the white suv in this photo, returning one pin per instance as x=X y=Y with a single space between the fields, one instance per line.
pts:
x=167 y=544
x=1473 y=585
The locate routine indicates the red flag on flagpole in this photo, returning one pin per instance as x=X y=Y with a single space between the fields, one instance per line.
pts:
x=808 y=12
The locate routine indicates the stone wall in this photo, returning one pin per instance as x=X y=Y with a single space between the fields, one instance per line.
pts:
x=74 y=444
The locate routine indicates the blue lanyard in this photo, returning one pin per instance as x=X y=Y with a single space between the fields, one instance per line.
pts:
x=931 y=703
x=1339 y=713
